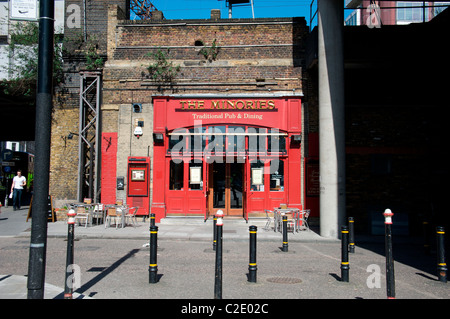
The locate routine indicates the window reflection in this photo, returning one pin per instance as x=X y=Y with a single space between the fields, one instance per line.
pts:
x=277 y=175
x=257 y=139
x=236 y=143
x=216 y=139
x=276 y=143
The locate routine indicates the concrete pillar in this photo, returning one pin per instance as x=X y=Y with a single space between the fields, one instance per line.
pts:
x=331 y=117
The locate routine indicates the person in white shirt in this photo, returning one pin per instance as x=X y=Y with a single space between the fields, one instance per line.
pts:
x=18 y=183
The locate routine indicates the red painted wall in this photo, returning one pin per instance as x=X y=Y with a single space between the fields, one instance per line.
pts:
x=283 y=113
x=109 y=168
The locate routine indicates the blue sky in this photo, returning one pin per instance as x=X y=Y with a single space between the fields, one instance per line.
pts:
x=201 y=9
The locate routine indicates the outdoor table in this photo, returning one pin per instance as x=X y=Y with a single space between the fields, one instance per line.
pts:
x=278 y=215
x=89 y=209
x=120 y=210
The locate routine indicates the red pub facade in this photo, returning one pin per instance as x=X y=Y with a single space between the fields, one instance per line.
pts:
x=238 y=153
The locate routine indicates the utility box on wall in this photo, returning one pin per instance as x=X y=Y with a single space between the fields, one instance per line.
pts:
x=138 y=181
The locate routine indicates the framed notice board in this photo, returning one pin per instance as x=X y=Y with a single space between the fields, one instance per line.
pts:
x=50 y=212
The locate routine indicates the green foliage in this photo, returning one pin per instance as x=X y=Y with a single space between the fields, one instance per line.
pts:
x=162 y=71
x=88 y=47
x=23 y=50
x=210 y=53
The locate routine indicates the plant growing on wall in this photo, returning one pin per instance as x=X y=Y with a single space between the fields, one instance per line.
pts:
x=210 y=53
x=87 y=46
x=162 y=70
x=23 y=51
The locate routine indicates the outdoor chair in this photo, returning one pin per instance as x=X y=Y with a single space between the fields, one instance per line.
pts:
x=83 y=214
x=303 y=220
x=131 y=215
x=113 y=215
x=270 y=219
x=99 y=212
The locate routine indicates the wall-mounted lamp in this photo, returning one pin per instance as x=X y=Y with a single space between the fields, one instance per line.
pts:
x=70 y=136
x=296 y=138
x=158 y=137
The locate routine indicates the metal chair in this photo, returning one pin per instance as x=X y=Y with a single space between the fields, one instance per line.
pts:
x=112 y=214
x=269 y=220
x=303 y=220
x=131 y=215
x=83 y=214
x=98 y=212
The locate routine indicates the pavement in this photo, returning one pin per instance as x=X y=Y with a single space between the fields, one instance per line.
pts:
x=13 y=224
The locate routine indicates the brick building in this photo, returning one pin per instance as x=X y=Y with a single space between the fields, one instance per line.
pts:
x=394 y=122
x=258 y=62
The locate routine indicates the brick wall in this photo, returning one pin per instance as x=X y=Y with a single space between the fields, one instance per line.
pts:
x=255 y=55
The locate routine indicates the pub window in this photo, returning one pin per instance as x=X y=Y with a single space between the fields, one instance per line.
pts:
x=257 y=176
x=196 y=176
x=236 y=143
x=197 y=141
x=276 y=143
x=216 y=139
x=277 y=175
x=176 y=175
x=257 y=139
x=177 y=141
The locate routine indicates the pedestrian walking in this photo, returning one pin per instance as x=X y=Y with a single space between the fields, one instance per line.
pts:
x=18 y=183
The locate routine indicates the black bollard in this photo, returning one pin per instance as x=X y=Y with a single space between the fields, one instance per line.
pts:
x=345 y=266
x=218 y=270
x=285 y=235
x=152 y=219
x=390 y=277
x=68 y=284
x=351 y=235
x=252 y=260
x=214 y=232
x=153 y=267
x=441 y=265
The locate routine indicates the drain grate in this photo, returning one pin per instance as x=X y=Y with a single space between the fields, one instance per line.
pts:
x=284 y=280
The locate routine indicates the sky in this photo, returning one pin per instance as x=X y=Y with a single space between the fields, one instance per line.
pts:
x=201 y=9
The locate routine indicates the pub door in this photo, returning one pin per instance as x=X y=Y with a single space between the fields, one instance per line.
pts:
x=226 y=188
